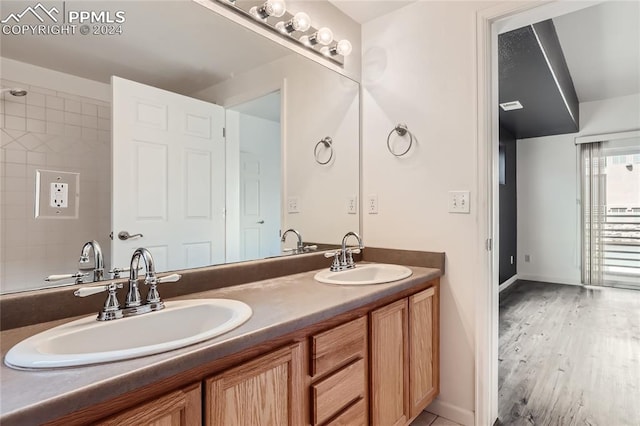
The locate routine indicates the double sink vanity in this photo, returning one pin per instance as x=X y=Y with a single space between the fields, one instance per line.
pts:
x=302 y=345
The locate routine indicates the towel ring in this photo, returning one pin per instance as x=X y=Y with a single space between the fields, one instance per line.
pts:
x=328 y=143
x=401 y=130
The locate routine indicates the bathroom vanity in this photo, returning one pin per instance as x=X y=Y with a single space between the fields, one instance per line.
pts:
x=312 y=353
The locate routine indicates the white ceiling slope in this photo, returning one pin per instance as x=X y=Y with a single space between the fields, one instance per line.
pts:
x=363 y=11
x=601 y=45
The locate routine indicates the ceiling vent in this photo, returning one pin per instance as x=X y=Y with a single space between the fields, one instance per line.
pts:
x=509 y=106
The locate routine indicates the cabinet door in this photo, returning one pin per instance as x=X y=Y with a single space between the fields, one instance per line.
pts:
x=180 y=408
x=389 y=353
x=265 y=391
x=424 y=349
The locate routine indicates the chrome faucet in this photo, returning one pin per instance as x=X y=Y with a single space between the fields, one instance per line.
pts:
x=133 y=303
x=98 y=259
x=299 y=246
x=343 y=259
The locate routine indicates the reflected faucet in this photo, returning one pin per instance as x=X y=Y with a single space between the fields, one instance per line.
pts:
x=98 y=259
x=299 y=246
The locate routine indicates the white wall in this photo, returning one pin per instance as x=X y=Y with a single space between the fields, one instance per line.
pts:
x=549 y=189
x=316 y=102
x=420 y=69
x=56 y=126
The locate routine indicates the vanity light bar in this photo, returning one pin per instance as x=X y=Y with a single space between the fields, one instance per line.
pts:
x=273 y=15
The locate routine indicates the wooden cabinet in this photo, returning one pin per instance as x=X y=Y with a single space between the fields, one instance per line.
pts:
x=424 y=350
x=378 y=364
x=389 y=357
x=339 y=374
x=265 y=391
x=179 y=408
x=404 y=358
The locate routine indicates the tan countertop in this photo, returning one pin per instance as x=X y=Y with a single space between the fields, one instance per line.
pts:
x=280 y=306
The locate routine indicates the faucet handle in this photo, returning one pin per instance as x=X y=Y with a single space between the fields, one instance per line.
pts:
x=153 y=297
x=89 y=291
x=78 y=276
x=117 y=271
x=355 y=251
x=169 y=279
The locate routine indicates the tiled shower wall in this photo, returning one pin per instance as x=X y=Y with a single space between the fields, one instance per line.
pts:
x=58 y=131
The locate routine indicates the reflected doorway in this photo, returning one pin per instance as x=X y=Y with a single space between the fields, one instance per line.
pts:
x=254 y=178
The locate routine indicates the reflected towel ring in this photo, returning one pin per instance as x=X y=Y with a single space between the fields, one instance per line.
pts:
x=328 y=143
x=401 y=130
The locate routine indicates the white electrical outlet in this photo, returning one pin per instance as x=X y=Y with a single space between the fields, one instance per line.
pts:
x=293 y=205
x=458 y=202
x=352 y=205
x=372 y=204
x=59 y=195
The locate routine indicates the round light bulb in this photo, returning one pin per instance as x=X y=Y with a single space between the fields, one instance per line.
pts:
x=324 y=36
x=275 y=8
x=301 y=22
x=344 y=47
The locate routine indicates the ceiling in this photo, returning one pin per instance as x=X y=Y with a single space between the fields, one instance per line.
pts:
x=601 y=45
x=363 y=11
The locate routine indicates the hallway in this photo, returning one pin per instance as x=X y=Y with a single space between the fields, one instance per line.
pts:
x=569 y=355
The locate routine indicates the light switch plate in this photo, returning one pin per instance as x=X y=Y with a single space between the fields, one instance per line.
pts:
x=458 y=202
x=293 y=205
x=57 y=195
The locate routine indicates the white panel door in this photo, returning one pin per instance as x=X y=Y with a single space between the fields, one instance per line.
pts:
x=168 y=176
x=259 y=220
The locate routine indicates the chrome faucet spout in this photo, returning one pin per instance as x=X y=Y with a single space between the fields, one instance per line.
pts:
x=346 y=237
x=299 y=245
x=133 y=295
x=98 y=259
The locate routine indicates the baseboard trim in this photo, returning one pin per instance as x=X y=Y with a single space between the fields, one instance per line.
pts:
x=452 y=412
x=502 y=287
x=551 y=280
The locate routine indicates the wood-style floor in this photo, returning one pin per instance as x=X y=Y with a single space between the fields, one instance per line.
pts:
x=569 y=355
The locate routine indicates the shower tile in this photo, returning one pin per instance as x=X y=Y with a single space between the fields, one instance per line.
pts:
x=55 y=128
x=36 y=99
x=15 y=123
x=73 y=118
x=71 y=105
x=36 y=158
x=55 y=116
x=37 y=112
x=90 y=122
x=104 y=124
x=104 y=112
x=72 y=131
x=89 y=109
x=89 y=134
x=38 y=126
x=55 y=102
x=15 y=156
x=15 y=109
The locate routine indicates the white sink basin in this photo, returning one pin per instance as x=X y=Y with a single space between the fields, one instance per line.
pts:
x=88 y=341
x=365 y=274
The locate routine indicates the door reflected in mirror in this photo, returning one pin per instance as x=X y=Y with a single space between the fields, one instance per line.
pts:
x=247 y=125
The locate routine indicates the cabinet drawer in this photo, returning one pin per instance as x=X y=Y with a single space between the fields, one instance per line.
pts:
x=356 y=415
x=334 y=347
x=338 y=391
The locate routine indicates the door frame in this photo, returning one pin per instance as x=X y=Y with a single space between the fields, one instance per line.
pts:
x=490 y=22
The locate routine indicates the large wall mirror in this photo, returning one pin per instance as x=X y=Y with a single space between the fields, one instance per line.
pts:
x=178 y=124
